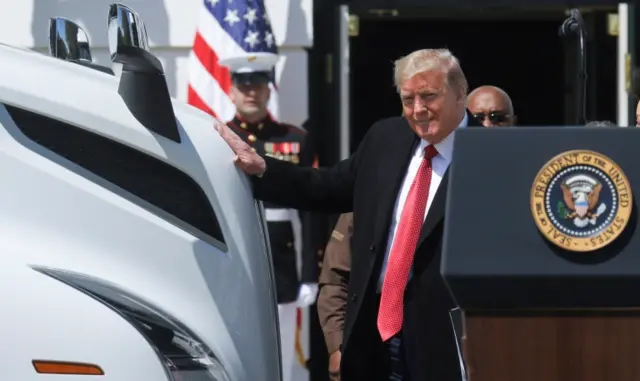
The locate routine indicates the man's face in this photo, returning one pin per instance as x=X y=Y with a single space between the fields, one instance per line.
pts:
x=250 y=99
x=491 y=109
x=432 y=108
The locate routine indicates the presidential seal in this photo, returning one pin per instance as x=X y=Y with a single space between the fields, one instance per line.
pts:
x=581 y=200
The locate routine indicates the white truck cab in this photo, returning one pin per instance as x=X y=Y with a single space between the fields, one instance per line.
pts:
x=132 y=248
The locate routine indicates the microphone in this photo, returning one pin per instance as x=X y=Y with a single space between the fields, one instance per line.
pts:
x=568 y=27
x=574 y=25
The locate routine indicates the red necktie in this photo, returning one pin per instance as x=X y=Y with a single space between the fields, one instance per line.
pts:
x=390 y=314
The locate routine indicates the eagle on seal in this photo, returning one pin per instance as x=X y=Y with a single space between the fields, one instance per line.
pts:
x=580 y=201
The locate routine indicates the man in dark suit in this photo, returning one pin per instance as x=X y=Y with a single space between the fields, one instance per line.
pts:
x=397 y=323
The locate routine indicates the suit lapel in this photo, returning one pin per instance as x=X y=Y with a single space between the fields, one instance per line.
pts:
x=395 y=166
x=437 y=209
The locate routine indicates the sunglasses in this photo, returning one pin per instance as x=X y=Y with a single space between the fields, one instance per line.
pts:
x=495 y=117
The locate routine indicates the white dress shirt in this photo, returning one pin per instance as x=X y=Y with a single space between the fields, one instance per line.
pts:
x=439 y=165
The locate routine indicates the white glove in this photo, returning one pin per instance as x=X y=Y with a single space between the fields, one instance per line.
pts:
x=307 y=294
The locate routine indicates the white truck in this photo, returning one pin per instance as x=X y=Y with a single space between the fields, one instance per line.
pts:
x=132 y=248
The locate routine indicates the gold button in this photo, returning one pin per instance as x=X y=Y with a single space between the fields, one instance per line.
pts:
x=289 y=244
x=252 y=138
x=260 y=126
x=253 y=149
x=320 y=252
x=243 y=125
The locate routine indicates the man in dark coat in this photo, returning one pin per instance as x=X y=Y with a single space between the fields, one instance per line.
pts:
x=397 y=323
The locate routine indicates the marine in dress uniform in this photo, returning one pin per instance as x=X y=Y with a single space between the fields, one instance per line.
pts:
x=250 y=77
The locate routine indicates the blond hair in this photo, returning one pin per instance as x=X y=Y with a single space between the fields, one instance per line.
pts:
x=426 y=60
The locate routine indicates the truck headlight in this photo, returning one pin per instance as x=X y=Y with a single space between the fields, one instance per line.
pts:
x=185 y=357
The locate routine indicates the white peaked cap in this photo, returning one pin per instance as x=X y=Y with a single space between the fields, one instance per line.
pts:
x=251 y=62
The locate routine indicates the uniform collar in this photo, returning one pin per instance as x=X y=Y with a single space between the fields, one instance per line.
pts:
x=254 y=128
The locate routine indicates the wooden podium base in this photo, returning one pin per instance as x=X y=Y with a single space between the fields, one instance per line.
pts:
x=551 y=346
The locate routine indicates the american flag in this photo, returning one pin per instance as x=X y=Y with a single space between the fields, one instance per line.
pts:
x=226 y=28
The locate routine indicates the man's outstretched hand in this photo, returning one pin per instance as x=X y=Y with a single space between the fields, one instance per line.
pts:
x=245 y=157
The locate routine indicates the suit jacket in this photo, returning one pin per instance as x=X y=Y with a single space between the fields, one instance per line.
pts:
x=368 y=183
x=289 y=143
x=334 y=279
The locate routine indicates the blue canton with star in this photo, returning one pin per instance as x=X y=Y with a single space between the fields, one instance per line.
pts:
x=246 y=21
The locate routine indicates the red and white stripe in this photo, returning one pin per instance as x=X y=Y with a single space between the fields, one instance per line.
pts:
x=209 y=83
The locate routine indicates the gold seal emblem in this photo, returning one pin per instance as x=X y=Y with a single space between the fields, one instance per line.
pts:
x=581 y=200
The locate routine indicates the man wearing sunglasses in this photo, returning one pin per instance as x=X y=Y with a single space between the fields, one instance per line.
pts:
x=491 y=106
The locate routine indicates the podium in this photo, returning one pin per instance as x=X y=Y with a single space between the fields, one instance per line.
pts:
x=541 y=254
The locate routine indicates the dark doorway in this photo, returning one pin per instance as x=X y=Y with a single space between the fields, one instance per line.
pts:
x=524 y=57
